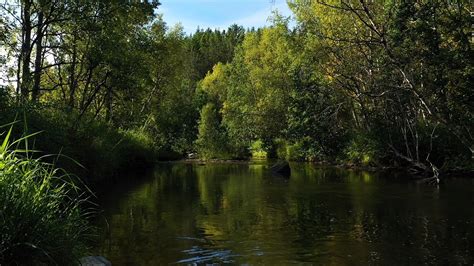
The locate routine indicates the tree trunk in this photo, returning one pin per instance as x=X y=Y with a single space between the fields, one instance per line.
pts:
x=39 y=58
x=108 y=105
x=72 y=76
x=26 y=51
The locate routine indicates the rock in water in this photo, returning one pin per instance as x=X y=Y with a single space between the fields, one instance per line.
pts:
x=94 y=261
x=281 y=168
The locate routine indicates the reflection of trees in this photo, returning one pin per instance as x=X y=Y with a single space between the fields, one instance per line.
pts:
x=150 y=209
x=324 y=216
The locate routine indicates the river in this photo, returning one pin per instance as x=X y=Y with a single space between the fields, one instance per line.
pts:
x=185 y=213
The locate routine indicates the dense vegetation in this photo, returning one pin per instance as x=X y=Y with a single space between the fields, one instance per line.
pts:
x=107 y=81
x=365 y=83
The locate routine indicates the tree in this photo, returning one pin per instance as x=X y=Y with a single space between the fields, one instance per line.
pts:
x=211 y=140
x=400 y=93
x=260 y=85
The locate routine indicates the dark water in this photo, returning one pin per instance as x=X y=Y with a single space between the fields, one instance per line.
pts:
x=239 y=214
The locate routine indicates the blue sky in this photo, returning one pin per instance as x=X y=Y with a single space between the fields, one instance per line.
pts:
x=219 y=13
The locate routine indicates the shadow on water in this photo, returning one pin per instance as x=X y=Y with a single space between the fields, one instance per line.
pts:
x=238 y=213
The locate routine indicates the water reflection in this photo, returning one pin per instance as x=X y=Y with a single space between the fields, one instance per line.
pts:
x=237 y=213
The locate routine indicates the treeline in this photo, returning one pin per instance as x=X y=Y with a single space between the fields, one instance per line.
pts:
x=109 y=83
x=365 y=83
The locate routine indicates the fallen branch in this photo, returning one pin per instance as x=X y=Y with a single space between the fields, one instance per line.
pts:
x=417 y=167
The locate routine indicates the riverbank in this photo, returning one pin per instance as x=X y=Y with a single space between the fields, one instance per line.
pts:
x=50 y=168
x=454 y=172
x=92 y=150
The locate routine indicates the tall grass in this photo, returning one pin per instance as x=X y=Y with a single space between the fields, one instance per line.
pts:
x=41 y=221
x=106 y=152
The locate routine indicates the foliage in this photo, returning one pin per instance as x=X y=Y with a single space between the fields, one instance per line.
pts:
x=211 y=140
x=366 y=82
x=397 y=73
x=210 y=47
x=257 y=150
x=258 y=102
x=362 y=150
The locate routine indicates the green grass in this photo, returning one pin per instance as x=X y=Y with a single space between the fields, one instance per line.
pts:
x=41 y=221
x=105 y=151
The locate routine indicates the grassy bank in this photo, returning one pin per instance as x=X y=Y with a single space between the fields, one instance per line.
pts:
x=41 y=219
x=89 y=148
x=47 y=156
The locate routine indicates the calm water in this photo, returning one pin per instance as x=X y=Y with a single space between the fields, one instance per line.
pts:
x=239 y=214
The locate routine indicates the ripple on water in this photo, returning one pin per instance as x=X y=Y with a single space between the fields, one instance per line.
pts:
x=199 y=254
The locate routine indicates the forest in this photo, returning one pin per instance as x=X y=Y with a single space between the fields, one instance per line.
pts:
x=99 y=88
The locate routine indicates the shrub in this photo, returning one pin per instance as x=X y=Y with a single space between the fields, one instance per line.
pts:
x=136 y=148
x=212 y=141
x=280 y=148
x=257 y=150
x=304 y=149
x=362 y=150
x=295 y=152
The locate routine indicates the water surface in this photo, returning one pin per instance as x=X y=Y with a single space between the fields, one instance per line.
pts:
x=240 y=214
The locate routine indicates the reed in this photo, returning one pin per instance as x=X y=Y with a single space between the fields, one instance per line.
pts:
x=42 y=214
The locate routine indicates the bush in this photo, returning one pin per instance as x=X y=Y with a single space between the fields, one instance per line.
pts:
x=280 y=148
x=362 y=150
x=304 y=149
x=40 y=217
x=257 y=150
x=136 y=148
x=212 y=141
x=295 y=152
